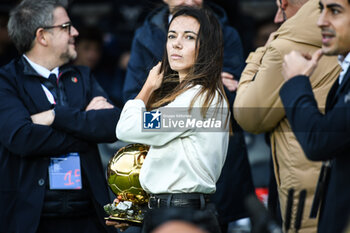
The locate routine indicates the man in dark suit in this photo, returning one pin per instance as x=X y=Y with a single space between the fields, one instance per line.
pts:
x=324 y=137
x=52 y=115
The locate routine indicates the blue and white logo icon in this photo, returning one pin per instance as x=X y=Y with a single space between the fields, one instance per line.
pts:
x=152 y=120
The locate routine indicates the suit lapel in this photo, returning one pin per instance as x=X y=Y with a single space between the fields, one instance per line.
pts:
x=344 y=82
x=36 y=94
x=73 y=87
x=332 y=94
x=337 y=89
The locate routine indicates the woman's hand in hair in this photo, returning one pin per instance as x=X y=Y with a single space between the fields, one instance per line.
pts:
x=153 y=82
x=154 y=79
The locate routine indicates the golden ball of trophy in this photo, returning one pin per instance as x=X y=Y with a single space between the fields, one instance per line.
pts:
x=123 y=178
x=123 y=173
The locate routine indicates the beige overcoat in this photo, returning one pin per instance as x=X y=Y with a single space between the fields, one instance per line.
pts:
x=258 y=108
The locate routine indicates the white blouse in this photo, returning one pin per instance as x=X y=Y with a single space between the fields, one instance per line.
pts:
x=180 y=161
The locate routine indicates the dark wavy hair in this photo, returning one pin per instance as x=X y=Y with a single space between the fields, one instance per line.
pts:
x=206 y=70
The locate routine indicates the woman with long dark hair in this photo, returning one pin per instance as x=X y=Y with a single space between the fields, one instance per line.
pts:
x=184 y=161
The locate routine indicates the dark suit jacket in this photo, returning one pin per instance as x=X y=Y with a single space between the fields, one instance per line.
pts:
x=324 y=137
x=25 y=148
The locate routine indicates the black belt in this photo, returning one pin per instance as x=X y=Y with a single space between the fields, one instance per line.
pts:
x=182 y=200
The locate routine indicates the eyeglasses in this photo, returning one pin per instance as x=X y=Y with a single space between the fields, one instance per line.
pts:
x=63 y=26
x=283 y=12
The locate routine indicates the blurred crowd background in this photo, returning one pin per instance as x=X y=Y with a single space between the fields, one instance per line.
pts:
x=106 y=30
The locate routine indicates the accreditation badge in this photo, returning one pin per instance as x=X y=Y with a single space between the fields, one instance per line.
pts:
x=64 y=172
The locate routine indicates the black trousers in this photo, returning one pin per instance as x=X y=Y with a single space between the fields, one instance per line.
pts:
x=205 y=219
x=85 y=224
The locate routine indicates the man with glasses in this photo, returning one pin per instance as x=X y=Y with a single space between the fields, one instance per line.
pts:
x=258 y=108
x=67 y=26
x=52 y=115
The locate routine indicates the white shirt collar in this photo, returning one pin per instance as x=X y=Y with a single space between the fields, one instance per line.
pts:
x=170 y=17
x=344 y=59
x=40 y=69
x=344 y=62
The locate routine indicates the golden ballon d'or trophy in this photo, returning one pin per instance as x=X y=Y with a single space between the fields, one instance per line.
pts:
x=123 y=178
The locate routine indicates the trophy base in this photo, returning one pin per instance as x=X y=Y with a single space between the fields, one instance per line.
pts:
x=126 y=212
x=130 y=221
